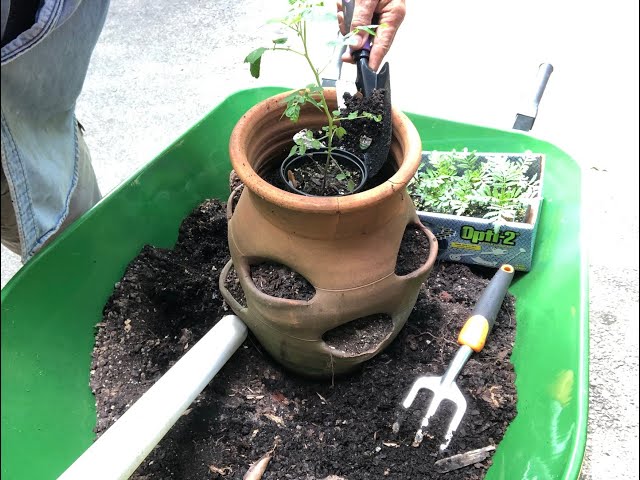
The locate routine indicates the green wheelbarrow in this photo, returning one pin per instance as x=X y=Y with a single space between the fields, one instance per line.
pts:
x=50 y=307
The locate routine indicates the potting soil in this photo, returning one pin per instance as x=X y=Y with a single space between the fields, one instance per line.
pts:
x=366 y=131
x=169 y=298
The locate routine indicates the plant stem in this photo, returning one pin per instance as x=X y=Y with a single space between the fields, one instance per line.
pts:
x=283 y=49
x=325 y=107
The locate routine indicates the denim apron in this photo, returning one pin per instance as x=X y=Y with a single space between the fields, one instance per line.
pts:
x=43 y=71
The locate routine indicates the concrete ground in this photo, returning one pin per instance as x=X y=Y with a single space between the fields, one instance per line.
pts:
x=161 y=65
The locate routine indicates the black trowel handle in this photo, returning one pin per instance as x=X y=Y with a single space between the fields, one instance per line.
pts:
x=367 y=80
x=475 y=331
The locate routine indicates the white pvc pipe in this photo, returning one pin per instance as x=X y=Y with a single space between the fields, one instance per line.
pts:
x=123 y=447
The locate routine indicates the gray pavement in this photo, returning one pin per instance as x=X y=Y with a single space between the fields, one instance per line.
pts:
x=161 y=65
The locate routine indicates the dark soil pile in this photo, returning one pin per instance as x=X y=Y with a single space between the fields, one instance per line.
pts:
x=234 y=287
x=280 y=281
x=168 y=299
x=414 y=250
x=360 y=335
x=365 y=131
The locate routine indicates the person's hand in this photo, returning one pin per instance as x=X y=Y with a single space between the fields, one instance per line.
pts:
x=390 y=14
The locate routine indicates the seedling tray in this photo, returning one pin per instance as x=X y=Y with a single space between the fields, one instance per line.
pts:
x=51 y=306
x=478 y=241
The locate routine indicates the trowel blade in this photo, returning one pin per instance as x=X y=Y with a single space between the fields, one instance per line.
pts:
x=523 y=122
x=378 y=153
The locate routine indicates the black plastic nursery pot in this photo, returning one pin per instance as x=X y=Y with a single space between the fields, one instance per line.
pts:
x=347 y=161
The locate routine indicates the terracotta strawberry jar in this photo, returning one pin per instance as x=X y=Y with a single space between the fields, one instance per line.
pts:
x=346 y=247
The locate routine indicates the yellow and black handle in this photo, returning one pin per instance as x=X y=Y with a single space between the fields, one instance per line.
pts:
x=476 y=329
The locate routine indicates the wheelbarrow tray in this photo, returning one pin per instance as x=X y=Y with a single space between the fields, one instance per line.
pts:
x=51 y=306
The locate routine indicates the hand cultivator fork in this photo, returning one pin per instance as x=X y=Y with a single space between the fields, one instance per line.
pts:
x=472 y=338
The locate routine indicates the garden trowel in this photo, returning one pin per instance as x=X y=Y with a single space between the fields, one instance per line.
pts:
x=472 y=338
x=367 y=81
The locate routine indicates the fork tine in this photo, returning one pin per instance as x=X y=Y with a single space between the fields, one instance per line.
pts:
x=471 y=338
x=433 y=407
x=461 y=407
x=421 y=383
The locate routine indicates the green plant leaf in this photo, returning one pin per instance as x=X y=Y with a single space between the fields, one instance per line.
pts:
x=280 y=41
x=371 y=116
x=349 y=38
x=255 y=55
x=314 y=102
x=340 y=132
x=341 y=176
x=292 y=112
x=351 y=186
x=367 y=28
x=253 y=59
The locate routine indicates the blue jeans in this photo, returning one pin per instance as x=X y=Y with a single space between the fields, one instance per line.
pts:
x=84 y=196
x=47 y=178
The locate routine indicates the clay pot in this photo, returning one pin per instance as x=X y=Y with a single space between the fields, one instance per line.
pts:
x=346 y=247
